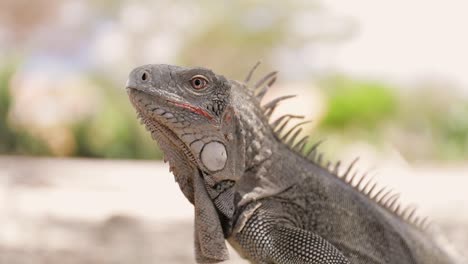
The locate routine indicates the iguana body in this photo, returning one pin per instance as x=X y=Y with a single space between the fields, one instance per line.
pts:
x=271 y=202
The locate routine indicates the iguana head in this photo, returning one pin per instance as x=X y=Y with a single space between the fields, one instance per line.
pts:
x=194 y=115
x=188 y=112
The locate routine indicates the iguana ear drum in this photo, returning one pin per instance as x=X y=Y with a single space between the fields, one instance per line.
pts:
x=214 y=156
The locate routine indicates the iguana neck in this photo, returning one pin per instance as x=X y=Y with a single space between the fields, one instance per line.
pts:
x=267 y=158
x=271 y=168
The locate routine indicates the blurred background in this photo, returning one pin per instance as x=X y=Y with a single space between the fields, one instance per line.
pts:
x=386 y=81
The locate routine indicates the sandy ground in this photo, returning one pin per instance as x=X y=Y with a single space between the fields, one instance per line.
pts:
x=99 y=211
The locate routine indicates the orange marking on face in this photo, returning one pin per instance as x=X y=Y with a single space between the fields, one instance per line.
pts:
x=228 y=117
x=194 y=109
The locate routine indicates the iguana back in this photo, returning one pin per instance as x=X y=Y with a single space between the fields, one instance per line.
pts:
x=332 y=209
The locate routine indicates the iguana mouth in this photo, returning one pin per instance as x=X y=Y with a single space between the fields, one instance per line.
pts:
x=154 y=118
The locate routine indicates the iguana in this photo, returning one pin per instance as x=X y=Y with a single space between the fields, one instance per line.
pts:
x=252 y=185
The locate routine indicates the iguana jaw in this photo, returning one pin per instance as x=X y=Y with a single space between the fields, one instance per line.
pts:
x=207 y=224
x=156 y=119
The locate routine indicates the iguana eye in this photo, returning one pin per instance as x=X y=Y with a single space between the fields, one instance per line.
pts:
x=199 y=82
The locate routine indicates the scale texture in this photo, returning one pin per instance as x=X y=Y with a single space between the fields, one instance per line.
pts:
x=256 y=185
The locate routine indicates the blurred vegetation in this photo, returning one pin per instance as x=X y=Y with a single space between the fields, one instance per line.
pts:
x=14 y=140
x=423 y=123
x=104 y=39
x=435 y=122
x=358 y=103
x=433 y=128
x=113 y=131
x=246 y=31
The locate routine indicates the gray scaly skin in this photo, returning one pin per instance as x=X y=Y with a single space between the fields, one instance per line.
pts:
x=252 y=187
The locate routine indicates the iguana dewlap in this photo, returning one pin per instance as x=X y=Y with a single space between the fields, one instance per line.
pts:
x=251 y=184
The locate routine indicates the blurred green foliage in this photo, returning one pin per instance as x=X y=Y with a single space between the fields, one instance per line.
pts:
x=111 y=132
x=455 y=131
x=424 y=123
x=229 y=37
x=243 y=32
x=114 y=131
x=437 y=121
x=14 y=140
x=433 y=128
x=358 y=103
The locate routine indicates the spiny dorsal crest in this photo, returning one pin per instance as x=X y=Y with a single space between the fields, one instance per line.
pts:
x=384 y=197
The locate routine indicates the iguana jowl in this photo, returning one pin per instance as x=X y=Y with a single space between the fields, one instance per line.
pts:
x=252 y=187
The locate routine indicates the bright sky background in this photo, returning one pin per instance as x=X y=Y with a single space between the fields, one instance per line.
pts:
x=405 y=40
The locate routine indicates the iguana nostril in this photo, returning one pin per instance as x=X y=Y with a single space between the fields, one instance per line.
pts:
x=144 y=76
